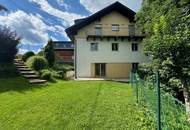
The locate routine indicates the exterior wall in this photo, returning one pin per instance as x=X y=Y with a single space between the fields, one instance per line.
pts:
x=118 y=70
x=106 y=22
x=64 y=55
x=85 y=57
x=115 y=60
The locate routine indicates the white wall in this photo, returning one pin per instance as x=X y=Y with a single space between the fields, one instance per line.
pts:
x=84 y=55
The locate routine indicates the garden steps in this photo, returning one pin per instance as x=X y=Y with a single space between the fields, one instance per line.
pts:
x=32 y=77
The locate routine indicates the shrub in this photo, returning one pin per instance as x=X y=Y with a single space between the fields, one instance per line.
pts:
x=63 y=67
x=49 y=74
x=46 y=74
x=8 y=45
x=27 y=55
x=8 y=70
x=37 y=63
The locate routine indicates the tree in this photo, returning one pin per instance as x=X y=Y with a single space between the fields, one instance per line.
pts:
x=3 y=8
x=27 y=55
x=166 y=24
x=49 y=53
x=8 y=45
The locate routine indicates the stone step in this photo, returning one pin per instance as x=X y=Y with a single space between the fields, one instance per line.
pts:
x=22 y=66
x=31 y=76
x=24 y=69
x=37 y=81
x=27 y=72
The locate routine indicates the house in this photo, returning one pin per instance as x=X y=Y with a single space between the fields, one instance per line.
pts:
x=107 y=44
x=64 y=51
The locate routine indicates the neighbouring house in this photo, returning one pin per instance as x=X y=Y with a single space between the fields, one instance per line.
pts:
x=107 y=44
x=64 y=51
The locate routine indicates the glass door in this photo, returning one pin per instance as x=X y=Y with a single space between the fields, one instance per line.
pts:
x=100 y=69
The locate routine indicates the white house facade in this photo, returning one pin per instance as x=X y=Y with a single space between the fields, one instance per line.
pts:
x=107 y=44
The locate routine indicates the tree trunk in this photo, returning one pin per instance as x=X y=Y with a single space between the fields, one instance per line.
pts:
x=186 y=95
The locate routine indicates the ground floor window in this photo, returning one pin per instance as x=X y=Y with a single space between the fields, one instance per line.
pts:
x=135 y=67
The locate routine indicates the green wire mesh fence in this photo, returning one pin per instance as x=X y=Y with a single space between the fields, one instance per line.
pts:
x=172 y=111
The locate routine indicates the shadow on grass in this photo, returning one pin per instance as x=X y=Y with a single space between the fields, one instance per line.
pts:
x=19 y=84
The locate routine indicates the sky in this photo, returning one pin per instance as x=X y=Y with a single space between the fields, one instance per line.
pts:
x=36 y=21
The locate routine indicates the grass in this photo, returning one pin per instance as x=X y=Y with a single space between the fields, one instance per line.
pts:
x=70 y=105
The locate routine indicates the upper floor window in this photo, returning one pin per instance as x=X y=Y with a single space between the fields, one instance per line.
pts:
x=115 y=27
x=98 y=29
x=131 y=30
x=94 y=46
x=115 y=46
x=134 y=46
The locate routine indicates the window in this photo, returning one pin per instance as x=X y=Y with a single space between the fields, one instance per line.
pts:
x=115 y=27
x=115 y=46
x=94 y=46
x=98 y=29
x=131 y=30
x=134 y=46
x=135 y=67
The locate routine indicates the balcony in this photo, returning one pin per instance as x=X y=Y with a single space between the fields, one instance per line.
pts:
x=109 y=32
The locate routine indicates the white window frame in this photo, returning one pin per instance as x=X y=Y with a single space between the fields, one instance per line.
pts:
x=115 y=27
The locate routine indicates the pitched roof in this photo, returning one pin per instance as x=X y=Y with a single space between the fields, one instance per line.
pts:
x=117 y=6
x=63 y=45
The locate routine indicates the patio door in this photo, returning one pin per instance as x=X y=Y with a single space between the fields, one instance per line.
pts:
x=100 y=69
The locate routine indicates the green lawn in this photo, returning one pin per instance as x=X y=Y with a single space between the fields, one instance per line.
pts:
x=70 y=105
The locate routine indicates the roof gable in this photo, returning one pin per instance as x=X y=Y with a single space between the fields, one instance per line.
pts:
x=117 y=6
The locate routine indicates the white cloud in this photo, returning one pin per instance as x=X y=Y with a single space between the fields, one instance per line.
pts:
x=30 y=27
x=45 y=6
x=95 y=5
x=62 y=3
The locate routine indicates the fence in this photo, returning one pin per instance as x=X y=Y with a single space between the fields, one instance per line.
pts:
x=169 y=113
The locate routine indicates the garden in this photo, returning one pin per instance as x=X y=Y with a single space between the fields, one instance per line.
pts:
x=72 y=105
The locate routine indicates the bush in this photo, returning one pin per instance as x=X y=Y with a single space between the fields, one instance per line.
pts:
x=8 y=45
x=63 y=67
x=8 y=70
x=49 y=74
x=37 y=63
x=27 y=55
x=46 y=74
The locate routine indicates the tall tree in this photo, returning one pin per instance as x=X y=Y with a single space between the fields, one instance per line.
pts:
x=3 y=8
x=49 y=53
x=8 y=45
x=166 y=24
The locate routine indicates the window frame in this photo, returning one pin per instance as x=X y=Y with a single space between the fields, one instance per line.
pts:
x=115 y=46
x=115 y=27
x=135 y=66
x=94 y=48
x=134 y=46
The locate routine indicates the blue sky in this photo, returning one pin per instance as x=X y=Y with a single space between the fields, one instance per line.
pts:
x=36 y=21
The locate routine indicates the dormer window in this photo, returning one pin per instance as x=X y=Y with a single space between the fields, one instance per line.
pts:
x=115 y=27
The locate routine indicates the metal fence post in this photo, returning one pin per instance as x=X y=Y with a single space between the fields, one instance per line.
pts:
x=137 y=95
x=158 y=101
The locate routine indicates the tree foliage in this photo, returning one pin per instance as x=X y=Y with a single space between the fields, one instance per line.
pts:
x=49 y=53
x=166 y=24
x=3 y=8
x=8 y=45
x=27 y=55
